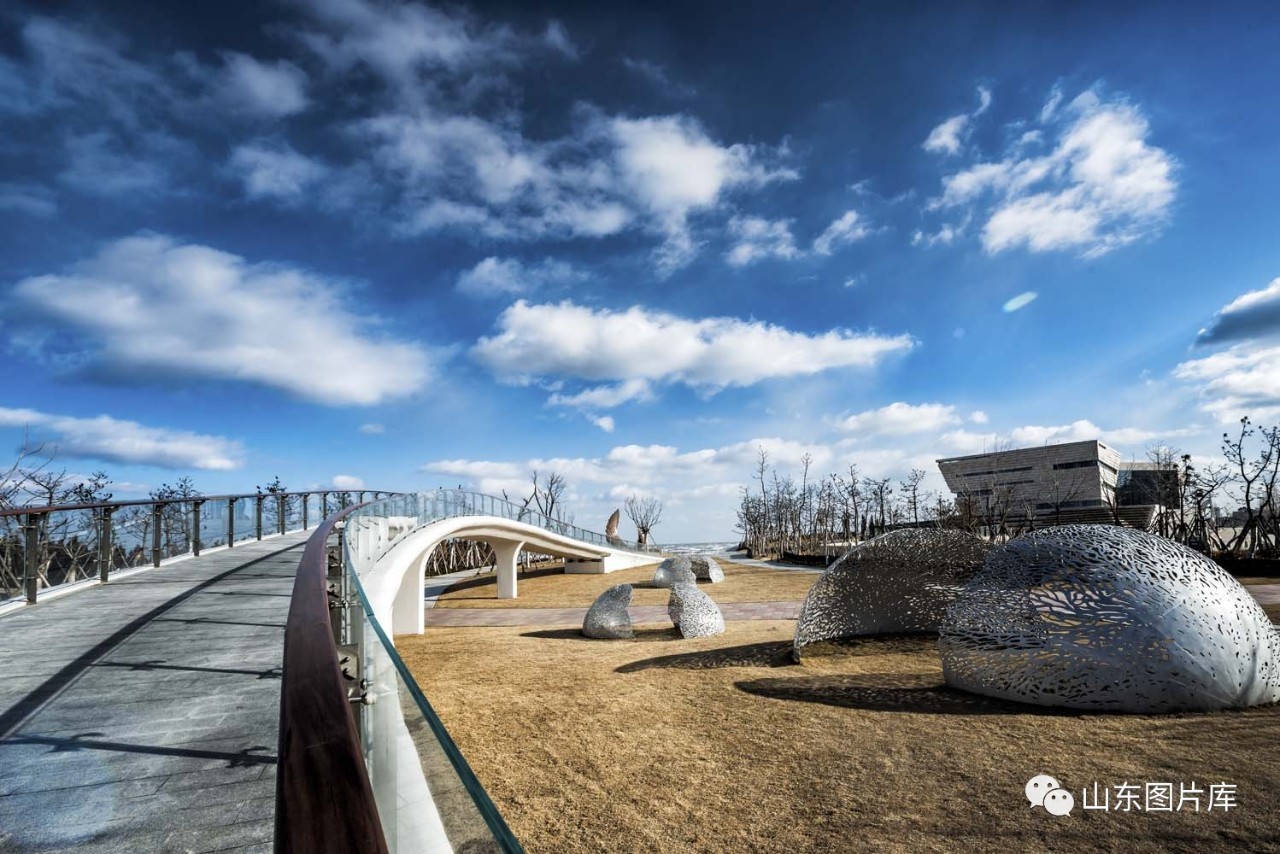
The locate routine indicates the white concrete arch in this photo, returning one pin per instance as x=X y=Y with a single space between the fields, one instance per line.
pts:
x=395 y=583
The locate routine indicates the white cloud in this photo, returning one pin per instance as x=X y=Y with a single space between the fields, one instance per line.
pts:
x=674 y=169
x=945 y=138
x=149 y=305
x=266 y=89
x=568 y=340
x=1102 y=186
x=847 y=228
x=1241 y=380
x=275 y=171
x=372 y=429
x=346 y=481
x=499 y=276
x=402 y=42
x=114 y=440
x=902 y=417
x=604 y=422
x=978 y=417
x=557 y=38
x=758 y=238
x=605 y=396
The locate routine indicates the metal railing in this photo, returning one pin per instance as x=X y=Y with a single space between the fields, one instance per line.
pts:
x=397 y=516
x=46 y=548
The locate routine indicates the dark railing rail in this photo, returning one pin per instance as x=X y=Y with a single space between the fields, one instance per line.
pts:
x=49 y=546
x=324 y=801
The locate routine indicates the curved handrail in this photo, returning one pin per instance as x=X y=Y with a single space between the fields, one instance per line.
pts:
x=145 y=502
x=324 y=801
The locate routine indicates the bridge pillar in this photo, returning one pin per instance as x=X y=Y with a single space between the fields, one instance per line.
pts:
x=505 y=553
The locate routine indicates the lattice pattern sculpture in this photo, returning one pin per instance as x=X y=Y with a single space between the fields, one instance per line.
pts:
x=693 y=612
x=608 y=617
x=899 y=582
x=706 y=569
x=674 y=570
x=1112 y=619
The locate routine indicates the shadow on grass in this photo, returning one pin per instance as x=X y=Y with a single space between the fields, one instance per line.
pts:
x=642 y=635
x=767 y=654
x=922 y=693
x=875 y=645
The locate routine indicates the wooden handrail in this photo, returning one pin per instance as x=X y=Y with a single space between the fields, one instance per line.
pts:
x=324 y=801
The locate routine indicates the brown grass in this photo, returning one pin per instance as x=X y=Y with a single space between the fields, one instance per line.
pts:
x=723 y=745
x=551 y=588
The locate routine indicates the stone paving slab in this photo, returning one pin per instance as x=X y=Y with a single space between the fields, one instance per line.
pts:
x=142 y=715
x=477 y=617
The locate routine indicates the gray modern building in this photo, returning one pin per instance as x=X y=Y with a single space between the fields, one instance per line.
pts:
x=1057 y=484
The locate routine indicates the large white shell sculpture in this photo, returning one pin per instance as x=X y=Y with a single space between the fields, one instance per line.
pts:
x=1111 y=619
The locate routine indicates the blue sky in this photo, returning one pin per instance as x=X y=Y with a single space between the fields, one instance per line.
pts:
x=408 y=245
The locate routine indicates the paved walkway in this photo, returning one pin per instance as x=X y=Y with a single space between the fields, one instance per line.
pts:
x=142 y=716
x=574 y=616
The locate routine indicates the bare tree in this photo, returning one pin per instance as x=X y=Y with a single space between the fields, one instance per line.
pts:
x=911 y=493
x=644 y=513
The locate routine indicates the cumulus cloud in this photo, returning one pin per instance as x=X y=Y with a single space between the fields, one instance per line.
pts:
x=346 y=481
x=846 y=228
x=604 y=422
x=1254 y=314
x=902 y=417
x=272 y=89
x=114 y=440
x=1241 y=380
x=605 y=396
x=149 y=305
x=506 y=276
x=674 y=168
x=578 y=342
x=1101 y=186
x=757 y=239
x=275 y=171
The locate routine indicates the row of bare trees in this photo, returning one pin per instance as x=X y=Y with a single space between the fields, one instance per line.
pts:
x=818 y=514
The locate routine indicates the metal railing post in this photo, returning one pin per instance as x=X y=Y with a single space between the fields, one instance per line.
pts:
x=280 y=520
x=105 y=547
x=231 y=522
x=195 y=528
x=360 y=494
x=306 y=499
x=31 y=557
x=155 y=534
x=324 y=505
x=258 y=516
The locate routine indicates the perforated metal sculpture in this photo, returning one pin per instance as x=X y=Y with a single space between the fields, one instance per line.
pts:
x=607 y=617
x=899 y=582
x=1099 y=617
x=706 y=569
x=693 y=612
x=673 y=570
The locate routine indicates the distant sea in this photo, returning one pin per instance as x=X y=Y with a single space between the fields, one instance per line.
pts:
x=698 y=548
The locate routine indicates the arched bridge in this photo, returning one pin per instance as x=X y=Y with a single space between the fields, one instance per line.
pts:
x=224 y=677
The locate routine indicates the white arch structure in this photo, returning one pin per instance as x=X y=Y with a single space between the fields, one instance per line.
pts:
x=390 y=552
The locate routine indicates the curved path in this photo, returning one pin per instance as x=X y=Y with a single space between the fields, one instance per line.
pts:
x=142 y=715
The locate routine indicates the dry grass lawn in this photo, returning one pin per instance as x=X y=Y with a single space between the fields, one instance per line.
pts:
x=723 y=745
x=551 y=588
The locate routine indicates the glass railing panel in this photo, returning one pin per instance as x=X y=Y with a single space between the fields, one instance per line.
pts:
x=11 y=557
x=176 y=529
x=67 y=547
x=244 y=520
x=213 y=523
x=424 y=788
x=131 y=537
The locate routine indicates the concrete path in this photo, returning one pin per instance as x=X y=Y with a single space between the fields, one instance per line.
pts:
x=142 y=716
x=573 y=616
x=741 y=557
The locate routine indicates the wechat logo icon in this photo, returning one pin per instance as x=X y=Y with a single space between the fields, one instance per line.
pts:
x=1044 y=791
